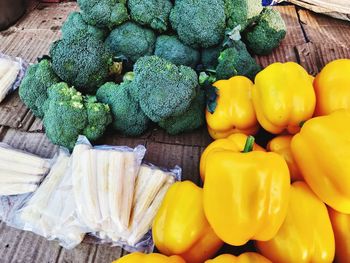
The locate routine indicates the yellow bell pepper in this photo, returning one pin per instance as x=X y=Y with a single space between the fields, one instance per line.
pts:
x=231 y=110
x=341 y=229
x=249 y=257
x=245 y=194
x=322 y=152
x=332 y=87
x=281 y=145
x=180 y=227
x=283 y=97
x=234 y=142
x=306 y=234
x=149 y=258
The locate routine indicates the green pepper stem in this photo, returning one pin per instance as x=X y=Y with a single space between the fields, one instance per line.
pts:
x=249 y=144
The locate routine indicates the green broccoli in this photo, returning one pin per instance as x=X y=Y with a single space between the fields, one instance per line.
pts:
x=236 y=60
x=67 y=116
x=192 y=119
x=131 y=41
x=32 y=91
x=199 y=23
x=209 y=57
x=127 y=114
x=162 y=88
x=153 y=13
x=104 y=13
x=75 y=29
x=242 y=12
x=171 y=48
x=85 y=65
x=268 y=33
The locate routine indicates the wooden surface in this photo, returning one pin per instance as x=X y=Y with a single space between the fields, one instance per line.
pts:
x=312 y=40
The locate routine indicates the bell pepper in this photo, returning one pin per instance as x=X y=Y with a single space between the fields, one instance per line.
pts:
x=306 y=235
x=245 y=194
x=283 y=97
x=332 y=87
x=234 y=142
x=322 y=152
x=138 y=257
x=180 y=227
x=341 y=229
x=230 y=109
x=281 y=145
x=248 y=257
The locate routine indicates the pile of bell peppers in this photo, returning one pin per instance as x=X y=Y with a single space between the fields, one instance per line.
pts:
x=292 y=198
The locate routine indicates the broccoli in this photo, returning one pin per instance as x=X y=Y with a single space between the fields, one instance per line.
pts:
x=75 y=29
x=162 y=88
x=267 y=34
x=242 y=12
x=85 y=65
x=192 y=119
x=171 y=48
x=127 y=114
x=67 y=116
x=199 y=23
x=32 y=91
x=153 y=13
x=236 y=60
x=131 y=41
x=104 y=13
x=209 y=57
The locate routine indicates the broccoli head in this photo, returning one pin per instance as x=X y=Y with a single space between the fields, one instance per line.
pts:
x=32 y=91
x=236 y=60
x=191 y=119
x=85 y=64
x=209 y=57
x=152 y=13
x=128 y=118
x=104 y=13
x=131 y=41
x=242 y=12
x=199 y=23
x=67 y=116
x=75 y=29
x=172 y=49
x=268 y=33
x=162 y=88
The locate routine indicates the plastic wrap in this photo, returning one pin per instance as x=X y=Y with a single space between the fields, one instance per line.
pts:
x=11 y=82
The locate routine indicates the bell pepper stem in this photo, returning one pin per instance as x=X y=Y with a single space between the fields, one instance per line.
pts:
x=248 y=147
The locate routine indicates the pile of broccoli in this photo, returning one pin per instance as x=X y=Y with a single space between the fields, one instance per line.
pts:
x=134 y=63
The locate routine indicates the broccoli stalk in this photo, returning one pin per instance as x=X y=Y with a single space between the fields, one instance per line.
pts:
x=32 y=91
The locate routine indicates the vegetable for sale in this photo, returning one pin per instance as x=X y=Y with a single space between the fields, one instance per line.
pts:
x=230 y=108
x=283 y=97
x=245 y=194
x=138 y=257
x=306 y=235
x=32 y=91
x=180 y=227
x=323 y=156
x=8 y=73
x=332 y=87
x=248 y=257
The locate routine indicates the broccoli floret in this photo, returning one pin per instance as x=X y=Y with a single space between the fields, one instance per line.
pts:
x=104 y=13
x=162 y=88
x=172 y=49
x=67 y=116
x=84 y=65
x=242 y=12
x=98 y=118
x=236 y=60
x=75 y=29
x=128 y=117
x=32 y=91
x=153 y=13
x=209 y=57
x=192 y=119
x=268 y=33
x=199 y=22
x=131 y=41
